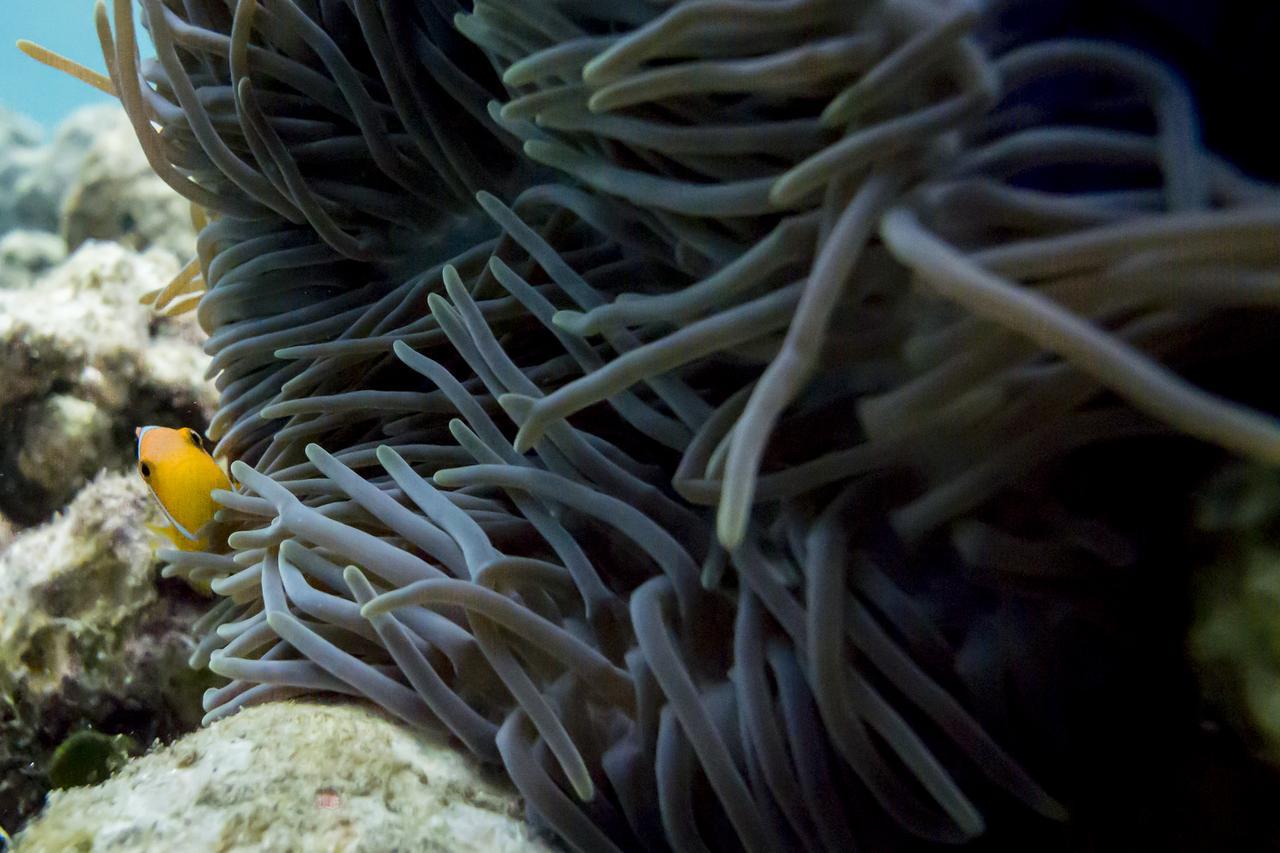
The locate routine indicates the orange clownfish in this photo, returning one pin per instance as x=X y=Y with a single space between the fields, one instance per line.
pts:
x=181 y=475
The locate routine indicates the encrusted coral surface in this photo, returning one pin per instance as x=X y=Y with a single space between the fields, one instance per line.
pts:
x=292 y=776
x=115 y=196
x=25 y=255
x=90 y=637
x=82 y=363
x=35 y=174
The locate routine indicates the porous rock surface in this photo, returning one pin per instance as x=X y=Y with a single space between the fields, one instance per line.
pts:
x=81 y=364
x=25 y=255
x=21 y=155
x=304 y=775
x=35 y=177
x=90 y=181
x=116 y=196
x=92 y=641
x=90 y=637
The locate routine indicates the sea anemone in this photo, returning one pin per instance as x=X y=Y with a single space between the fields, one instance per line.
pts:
x=602 y=377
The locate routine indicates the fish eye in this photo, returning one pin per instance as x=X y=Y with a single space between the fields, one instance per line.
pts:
x=195 y=438
x=145 y=469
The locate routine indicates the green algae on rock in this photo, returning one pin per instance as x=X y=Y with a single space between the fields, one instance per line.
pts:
x=1235 y=642
x=89 y=757
x=292 y=776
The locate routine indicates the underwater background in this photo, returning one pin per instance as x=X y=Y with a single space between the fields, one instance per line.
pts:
x=62 y=25
x=1133 y=672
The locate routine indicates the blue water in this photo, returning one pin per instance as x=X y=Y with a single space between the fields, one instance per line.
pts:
x=65 y=26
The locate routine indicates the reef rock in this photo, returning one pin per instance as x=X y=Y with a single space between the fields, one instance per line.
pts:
x=17 y=130
x=20 y=155
x=65 y=440
x=116 y=196
x=7 y=532
x=82 y=363
x=291 y=776
x=26 y=255
x=90 y=638
x=36 y=179
x=91 y=181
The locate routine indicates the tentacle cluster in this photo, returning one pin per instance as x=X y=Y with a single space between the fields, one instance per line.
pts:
x=587 y=367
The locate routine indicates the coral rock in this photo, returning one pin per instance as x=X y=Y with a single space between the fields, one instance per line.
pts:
x=291 y=776
x=35 y=182
x=64 y=441
x=25 y=255
x=81 y=333
x=89 y=637
x=18 y=130
x=7 y=532
x=116 y=196
x=20 y=155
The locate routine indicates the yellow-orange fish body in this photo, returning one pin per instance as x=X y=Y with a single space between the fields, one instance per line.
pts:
x=181 y=475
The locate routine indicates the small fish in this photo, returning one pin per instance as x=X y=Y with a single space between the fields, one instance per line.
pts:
x=181 y=475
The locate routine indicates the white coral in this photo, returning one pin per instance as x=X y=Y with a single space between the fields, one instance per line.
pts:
x=292 y=776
